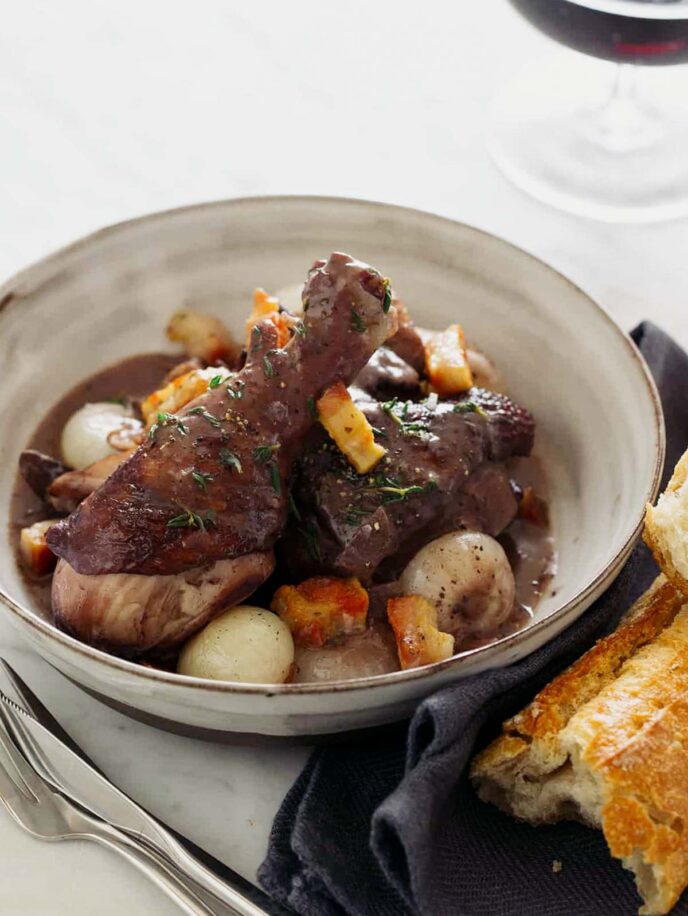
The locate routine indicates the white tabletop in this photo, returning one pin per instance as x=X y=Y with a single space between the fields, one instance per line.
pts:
x=115 y=108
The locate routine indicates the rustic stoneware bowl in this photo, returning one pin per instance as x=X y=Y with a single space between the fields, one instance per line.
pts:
x=108 y=296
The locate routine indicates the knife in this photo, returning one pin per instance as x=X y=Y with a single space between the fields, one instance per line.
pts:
x=17 y=690
x=65 y=768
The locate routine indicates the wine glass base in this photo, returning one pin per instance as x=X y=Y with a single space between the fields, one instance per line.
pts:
x=617 y=158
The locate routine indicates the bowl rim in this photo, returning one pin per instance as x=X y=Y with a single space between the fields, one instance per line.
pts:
x=486 y=652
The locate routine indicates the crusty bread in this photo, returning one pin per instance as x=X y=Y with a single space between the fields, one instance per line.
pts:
x=666 y=527
x=607 y=742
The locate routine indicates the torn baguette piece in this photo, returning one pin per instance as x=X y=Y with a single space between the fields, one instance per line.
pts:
x=666 y=527
x=606 y=742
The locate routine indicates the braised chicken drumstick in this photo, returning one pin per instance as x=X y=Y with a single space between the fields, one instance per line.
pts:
x=200 y=504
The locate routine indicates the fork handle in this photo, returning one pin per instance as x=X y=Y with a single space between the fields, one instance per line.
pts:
x=191 y=898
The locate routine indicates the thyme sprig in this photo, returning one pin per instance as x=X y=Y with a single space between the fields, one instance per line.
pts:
x=256 y=337
x=398 y=411
x=210 y=417
x=275 y=478
x=263 y=453
x=190 y=519
x=268 y=368
x=394 y=491
x=202 y=480
x=397 y=494
x=357 y=321
x=387 y=301
x=468 y=406
x=230 y=460
x=169 y=419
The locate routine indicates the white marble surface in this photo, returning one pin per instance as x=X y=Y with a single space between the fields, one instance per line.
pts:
x=115 y=108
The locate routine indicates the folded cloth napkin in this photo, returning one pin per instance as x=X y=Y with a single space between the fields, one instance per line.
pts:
x=391 y=826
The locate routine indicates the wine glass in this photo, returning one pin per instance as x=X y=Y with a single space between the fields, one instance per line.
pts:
x=593 y=137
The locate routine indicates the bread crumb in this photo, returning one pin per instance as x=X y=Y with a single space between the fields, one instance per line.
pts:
x=557 y=866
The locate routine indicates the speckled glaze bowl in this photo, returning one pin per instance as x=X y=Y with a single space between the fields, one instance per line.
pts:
x=600 y=428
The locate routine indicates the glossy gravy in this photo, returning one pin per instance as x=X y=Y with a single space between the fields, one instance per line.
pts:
x=134 y=377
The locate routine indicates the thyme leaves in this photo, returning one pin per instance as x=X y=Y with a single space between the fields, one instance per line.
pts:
x=468 y=406
x=387 y=301
x=357 y=321
x=275 y=478
x=190 y=519
x=210 y=417
x=237 y=392
x=263 y=453
x=202 y=480
x=230 y=460
x=168 y=420
x=256 y=338
x=398 y=411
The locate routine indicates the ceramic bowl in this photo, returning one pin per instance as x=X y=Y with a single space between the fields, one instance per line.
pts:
x=600 y=428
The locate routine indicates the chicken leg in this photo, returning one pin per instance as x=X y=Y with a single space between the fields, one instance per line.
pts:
x=210 y=485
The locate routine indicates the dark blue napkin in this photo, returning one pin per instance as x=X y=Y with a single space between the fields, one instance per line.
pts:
x=391 y=826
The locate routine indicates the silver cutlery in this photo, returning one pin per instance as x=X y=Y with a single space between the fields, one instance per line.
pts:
x=72 y=798
x=47 y=814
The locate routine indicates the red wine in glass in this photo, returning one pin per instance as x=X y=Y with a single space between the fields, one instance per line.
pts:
x=625 y=31
x=602 y=141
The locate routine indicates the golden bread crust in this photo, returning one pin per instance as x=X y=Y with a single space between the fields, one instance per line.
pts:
x=637 y=744
x=647 y=800
x=561 y=698
x=616 y=724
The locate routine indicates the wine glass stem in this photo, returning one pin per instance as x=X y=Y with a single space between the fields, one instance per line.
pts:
x=626 y=122
x=625 y=83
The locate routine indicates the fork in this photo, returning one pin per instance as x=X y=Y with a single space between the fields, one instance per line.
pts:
x=48 y=815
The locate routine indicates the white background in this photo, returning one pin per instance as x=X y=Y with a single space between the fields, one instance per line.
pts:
x=111 y=108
